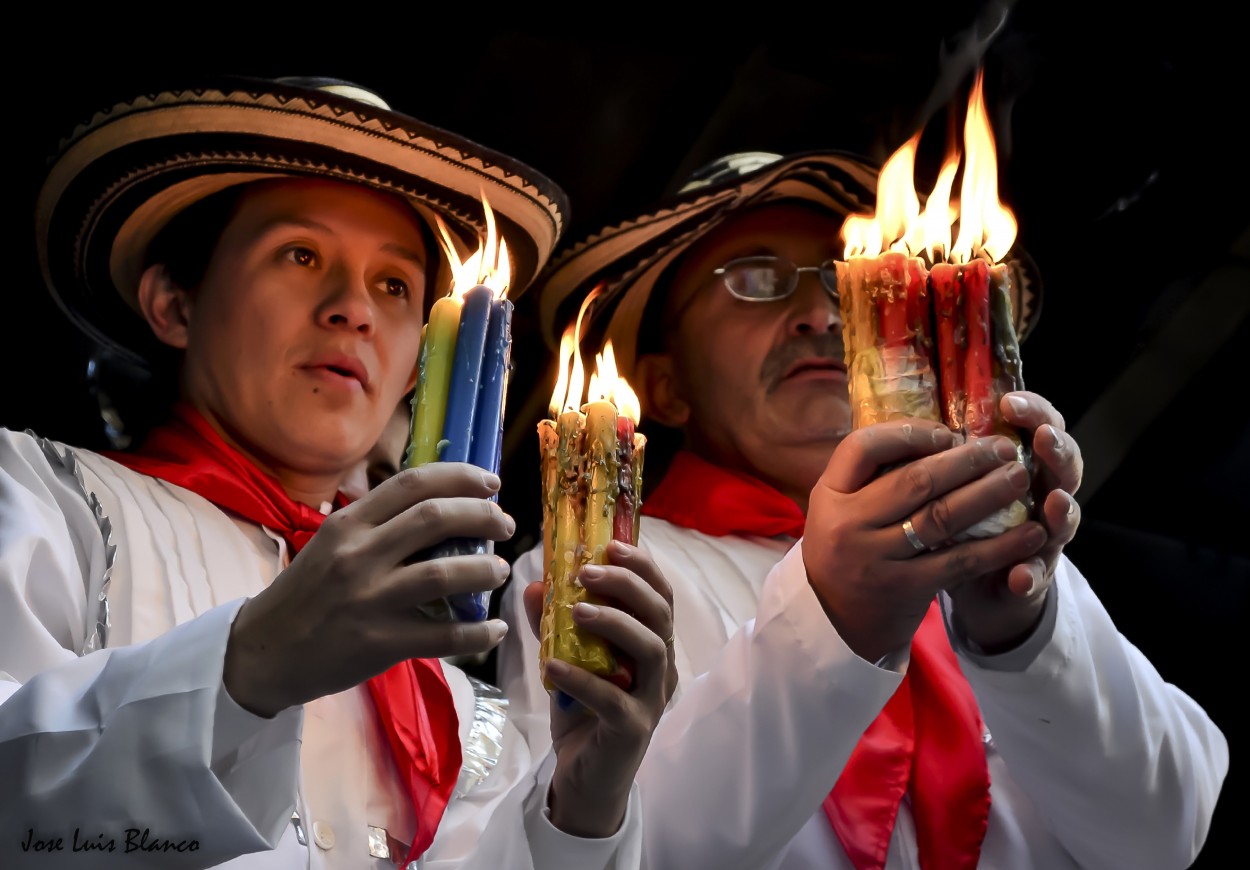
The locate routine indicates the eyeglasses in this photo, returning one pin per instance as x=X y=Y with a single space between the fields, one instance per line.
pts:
x=767 y=278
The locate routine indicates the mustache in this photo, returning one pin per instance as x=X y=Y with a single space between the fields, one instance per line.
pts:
x=784 y=355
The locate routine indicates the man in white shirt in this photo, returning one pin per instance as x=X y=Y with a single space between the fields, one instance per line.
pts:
x=208 y=657
x=858 y=688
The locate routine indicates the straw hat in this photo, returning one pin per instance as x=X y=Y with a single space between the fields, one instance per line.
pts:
x=125 y=173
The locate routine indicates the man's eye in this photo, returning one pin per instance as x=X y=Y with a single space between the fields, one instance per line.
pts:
x=302 y=256
x=397 y=287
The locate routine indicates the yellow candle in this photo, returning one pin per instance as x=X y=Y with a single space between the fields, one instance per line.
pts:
x=438 y=349
x=548 y=447
x=560 y=637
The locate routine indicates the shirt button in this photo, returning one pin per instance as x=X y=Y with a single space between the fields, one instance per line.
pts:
x=323 y=835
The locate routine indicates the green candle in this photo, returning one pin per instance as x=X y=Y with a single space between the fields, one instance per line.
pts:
x=438 y=349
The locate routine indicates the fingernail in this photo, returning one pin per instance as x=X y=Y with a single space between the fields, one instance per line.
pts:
x=556 y=668
x=510 y=523
x=498 y=629
x=1004 y=449
x=490 y=481
x=1072 y=506
x=1034 y=582
x=1017 y=474
x=594 y=572
x=1018 y=404
x=582 y=610
x=1035 y=537
x=942 y=436
x=1060 y=444
x=620 y=548
x=502 y=568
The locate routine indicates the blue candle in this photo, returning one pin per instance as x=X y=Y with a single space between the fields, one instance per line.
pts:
x=484 y=449
x=487 y=441
x=466 y=370
x=474 y=409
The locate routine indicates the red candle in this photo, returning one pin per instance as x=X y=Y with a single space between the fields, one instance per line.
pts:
x=623 y=524
x=950 y=337
x=978 y=362
x=891 y=297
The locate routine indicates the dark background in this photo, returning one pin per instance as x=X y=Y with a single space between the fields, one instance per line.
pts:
x=1118 y=154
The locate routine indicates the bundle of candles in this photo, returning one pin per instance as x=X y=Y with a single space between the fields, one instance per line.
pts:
x=592 y=459
x=457 y=409
x=936 y=339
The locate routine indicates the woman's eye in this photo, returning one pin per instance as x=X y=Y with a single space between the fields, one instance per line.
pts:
x=302 y=256
x=397 y=287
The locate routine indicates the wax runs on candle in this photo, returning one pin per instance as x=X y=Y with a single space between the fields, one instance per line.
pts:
x=487 y=438
x=566 y=519
x=454 y=405
x=885 y=312
x=629 y=454
x=473 y=428
x=951 y=338
x=580 y=503
x=466 y=371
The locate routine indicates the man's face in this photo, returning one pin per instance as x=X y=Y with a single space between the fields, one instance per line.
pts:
x=304 y=333
x=764 y=382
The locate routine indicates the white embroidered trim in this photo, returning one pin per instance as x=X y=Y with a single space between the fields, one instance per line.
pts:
x=97 y=635
x=485 y=743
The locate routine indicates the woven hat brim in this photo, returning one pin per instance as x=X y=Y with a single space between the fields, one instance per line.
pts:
x=626 y=259
x=124 y=174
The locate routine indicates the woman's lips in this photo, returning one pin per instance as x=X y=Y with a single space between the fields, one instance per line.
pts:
x=335 y=378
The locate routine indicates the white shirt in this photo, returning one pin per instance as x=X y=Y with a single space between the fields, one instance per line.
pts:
x=1094 y=760
x=106 y=733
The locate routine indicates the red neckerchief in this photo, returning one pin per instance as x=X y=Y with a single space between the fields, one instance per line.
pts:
x=413 y=699
x=926 y=740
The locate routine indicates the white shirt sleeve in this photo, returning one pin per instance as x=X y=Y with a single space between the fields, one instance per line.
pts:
x=1125 y=767
x=746 y=752
x=503 y=823
x=141 y=735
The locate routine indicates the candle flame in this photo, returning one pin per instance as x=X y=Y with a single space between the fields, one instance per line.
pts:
x=570 y=383
x=986 y=227
x=611 y=385
x=607 y=384
x=562 y=378
x=984 y=223
x=488 y=265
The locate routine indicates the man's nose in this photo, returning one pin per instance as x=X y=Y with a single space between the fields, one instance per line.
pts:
x=813 y=309
x=347 y=302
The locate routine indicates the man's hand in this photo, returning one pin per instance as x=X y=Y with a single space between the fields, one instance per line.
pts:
x=999 y=609
x=598 y=752
x=876 y=581
x=348 y=605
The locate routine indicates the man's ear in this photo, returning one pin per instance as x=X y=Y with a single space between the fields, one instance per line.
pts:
x=660 y=390
x=165 y=306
